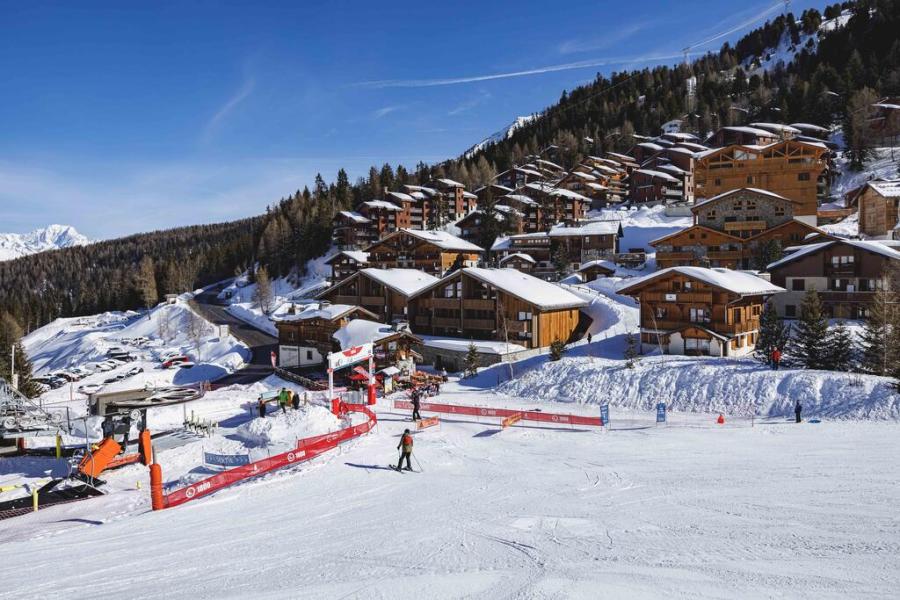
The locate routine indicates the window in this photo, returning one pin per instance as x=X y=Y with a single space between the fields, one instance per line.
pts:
x=691 y=235
x=587 y=240
x=779 y=211
x=751 y=204
x=676 y=286
x=718 y=181
x=798 y=285
x=309 y=355
x=802 y=176
x=711 y=215
x=736 y=315
x=661 y=312
x=524 y=316
x=688 y=285
x=736 y=205
x=699 y=315
x=790 y=310
x=750 y=179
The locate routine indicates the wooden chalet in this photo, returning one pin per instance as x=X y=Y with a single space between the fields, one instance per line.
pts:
x=587 y=241
x=347 y=262
x=384 y=217
x=731 y=229
x=393 y=345
x=595 y=269
x=382 y=292
x=742 y=135
x=793 y=169
x=700 y=311
x=421 y=211
x=661 y=183
x=457 y=201
x=534 y=245
x=508 y=219
x=530 y=209
x=433 y=252
x=305 y=338
x=518 y=261
x=496 y=304
x=557 y=204
x=845 y=273
x=879 y=208
x=351 y=230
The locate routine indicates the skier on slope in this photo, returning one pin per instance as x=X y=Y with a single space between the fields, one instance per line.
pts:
x=798 y=408
x=406 y=442
x=416 y=402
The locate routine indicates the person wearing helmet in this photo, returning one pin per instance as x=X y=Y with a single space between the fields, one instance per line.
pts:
x=406 y=443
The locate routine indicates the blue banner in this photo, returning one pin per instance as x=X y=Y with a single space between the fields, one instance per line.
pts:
x=604 y=413
x=661 y=412
x=226 y=460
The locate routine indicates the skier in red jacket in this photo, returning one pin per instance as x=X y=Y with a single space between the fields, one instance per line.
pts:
x=406 y=442
x=776 y=358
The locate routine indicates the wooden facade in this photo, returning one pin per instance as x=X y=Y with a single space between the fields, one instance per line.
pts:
x=383 y=292
x=686 y=314
x=434 y=253
x=305 y=339
x=347 y=262
x=845 y=273
x=465 y=304
x=879 y=209
x=793 y=169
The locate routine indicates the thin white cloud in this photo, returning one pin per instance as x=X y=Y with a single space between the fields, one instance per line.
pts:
x=583 y=64
x=484 y=96
x=742 y=25
x=386 y=110
x=239 y=96
x=608 y=40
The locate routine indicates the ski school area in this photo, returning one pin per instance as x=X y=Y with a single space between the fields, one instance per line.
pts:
x=509 y=498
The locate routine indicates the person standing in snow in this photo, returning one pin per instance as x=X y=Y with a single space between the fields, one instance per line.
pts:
x=776 y=358
x=798 y=408
x=295 y=400
x=284 y=397
x=262 y=408
x=589 y=337
x=416 y=404
x=406 y=443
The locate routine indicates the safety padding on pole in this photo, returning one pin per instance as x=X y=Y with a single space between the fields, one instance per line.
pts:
x=145 y=447
x=157 y=500
x=371 y=395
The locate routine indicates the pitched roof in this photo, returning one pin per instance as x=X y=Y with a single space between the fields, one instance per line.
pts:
x=450 y=183
x=518 y=255
x=362 y=331
x=404 y=281
x=383 y=204
x=329 y=312
x=718 y=197
x=400 y=196
x=605 y=264
x=889 y=188
x=354 y=216
x=736 y=282
x=540 y=293
x=441 y=239
x=357 y=255
x=868 y=245
x=692 y=227
x=593 y=228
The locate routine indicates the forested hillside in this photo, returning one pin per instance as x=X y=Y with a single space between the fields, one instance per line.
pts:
x=838 y=70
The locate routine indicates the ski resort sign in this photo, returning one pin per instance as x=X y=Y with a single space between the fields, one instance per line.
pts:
x=345 y=358
x=226 y=460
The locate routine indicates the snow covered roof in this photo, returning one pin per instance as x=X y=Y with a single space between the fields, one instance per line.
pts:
x=593 y=228
x=598 y=263
x=329 y=312
x=737 y=282
x=450 y=183
x=540 y=293
x=776 y=127
x=759 y=132
x=887 y=105
x=418 y=195
x=651 y=146
x=462 y=345
x=443 y=240
x=718 y=197
x=660 y=174
x=521 y=199
x=552 y=165
x=540 y=186
x=596 y=186
x=361 y=331
x=518 y=255
x=354 y=216
x=403 y=281
x=691 y=146
x=533 y=172
x=564 y=193
x=400 y=196
x=421 y=188
x=809 y=127
x=357 y=255
x=680 y=135
x=507 y=210
x=381 y=204
x=887 y=188
x=586 y=176
x=469 y=195
x=868 y=245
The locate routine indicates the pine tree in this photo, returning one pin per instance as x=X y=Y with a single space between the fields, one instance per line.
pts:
x=10 y=336
x=560 y=260
x=812 y=332
x=772 y=334
x=557 y=349
x=880 y=348
x=146 y=283
x=471 y=361
x=839 y=348
x=631 y=353
x=263 y=294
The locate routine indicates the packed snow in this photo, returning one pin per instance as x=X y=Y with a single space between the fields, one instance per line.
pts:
x=52 y=237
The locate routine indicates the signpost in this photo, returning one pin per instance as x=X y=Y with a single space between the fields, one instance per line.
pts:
x=226 y=460
x=661 y=412
x=604 y=414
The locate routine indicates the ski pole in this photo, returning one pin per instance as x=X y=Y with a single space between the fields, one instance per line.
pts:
x=418 y=464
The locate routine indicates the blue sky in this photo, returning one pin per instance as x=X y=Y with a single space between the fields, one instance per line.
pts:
x=122 y=117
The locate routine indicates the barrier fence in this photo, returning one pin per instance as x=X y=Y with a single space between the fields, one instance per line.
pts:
x=306 y=449
x=526 y=415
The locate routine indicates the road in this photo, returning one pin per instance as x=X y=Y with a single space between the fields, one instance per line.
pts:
x=261 y=344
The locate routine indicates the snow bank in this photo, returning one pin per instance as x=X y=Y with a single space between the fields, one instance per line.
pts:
x=711 y=385
x=286 y=428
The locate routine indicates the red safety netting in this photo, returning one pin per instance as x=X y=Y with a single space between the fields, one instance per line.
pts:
x=306 y=449
x=527 y=415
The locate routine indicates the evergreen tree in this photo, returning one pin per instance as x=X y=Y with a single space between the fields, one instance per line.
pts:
x=765 y=254
x=631 y=352
x=560 y=260
x=557 y=349
x=812 y=333
x=11 y=336
x=772 y=334
x=881 y=335
x=471 y=361
x=145 y=281
x=838 y=355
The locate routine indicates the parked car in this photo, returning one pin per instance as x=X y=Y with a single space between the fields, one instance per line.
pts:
x=181 y=364
x=134 y=371
x=67 y=375
x=170 y=362
x=90 y=388
x=114 y=378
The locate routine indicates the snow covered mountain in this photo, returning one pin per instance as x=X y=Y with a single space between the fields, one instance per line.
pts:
x=53 y=237
x=500 y=135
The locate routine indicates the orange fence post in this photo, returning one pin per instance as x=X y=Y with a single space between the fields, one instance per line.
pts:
x=156 y=492
x=145 y=447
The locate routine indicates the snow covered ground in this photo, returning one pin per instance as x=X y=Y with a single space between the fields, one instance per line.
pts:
x=52 y=237
x=688 y=510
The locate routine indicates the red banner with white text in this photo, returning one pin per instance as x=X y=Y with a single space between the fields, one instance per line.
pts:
x=527 y=415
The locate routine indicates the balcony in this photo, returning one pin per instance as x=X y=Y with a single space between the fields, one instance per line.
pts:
x=478 y=304
x=724 y=255
x=445 y=303
x=516 y=326
x=839 y=296
x=371 y=300
x=483 y=324
x=674 y=256
x=344 y=300
x=452 y=323
x=680 y=297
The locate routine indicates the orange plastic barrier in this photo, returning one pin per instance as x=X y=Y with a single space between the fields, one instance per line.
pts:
x=526 y=415
x=510 y=420
x=94 y=463
x=429 y=422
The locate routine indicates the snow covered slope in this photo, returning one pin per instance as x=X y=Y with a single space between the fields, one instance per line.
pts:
x=501 y=135
x=53 y=237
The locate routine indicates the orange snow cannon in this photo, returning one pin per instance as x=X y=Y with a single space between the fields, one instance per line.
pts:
x=94 y=463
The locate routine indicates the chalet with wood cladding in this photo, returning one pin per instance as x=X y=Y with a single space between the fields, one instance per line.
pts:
x=433 y=252
x=508 y=220
x=392 y=345
x=732 y=230
x=879 y=208
x=661 y=183
x=557 y=204
x=793 y=169
x=457 y=201
x=587 y=241
x=496 y=304
x=385 y=217
x=351 y=230
x=845 y=273
x=305 y=338
x=383 y=292
x=529 y=208
x=595 y=269
x=699 y=311
x=518 y=261
x=347 y=262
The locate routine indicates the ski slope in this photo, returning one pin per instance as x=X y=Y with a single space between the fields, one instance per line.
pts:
x=688 y=510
